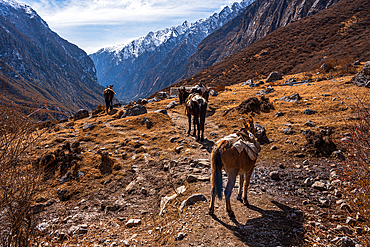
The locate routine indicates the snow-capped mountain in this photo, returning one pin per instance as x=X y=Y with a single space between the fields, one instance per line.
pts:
x=36 y=63
x=136 y=69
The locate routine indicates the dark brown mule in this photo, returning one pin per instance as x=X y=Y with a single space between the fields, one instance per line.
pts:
x=226 y=156
x=202 y=91
x=195 y=105
x=108 y=96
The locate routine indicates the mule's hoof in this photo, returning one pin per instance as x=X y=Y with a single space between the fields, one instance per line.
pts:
x=231 y=214
x=211 y=212
x=245 y=202
x=239 y=198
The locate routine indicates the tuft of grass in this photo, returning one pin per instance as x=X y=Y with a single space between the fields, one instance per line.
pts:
x=356 y=169
x=19 y=179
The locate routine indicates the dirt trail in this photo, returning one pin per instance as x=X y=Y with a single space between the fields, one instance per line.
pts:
x=265 y=223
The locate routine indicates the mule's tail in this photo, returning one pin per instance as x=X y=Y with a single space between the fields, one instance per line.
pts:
x=216 y=168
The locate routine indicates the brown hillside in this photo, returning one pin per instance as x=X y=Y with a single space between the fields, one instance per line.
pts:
x=123 y=167
x=340 y=32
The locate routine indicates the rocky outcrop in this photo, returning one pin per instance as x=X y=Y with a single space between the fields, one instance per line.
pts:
x=362 y=78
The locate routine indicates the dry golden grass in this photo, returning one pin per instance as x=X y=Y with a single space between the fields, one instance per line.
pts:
x=110 y=134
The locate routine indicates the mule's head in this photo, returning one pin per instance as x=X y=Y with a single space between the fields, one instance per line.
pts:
x=182 y=95
x=249 y=125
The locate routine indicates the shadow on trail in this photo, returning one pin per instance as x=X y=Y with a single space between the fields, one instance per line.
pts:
x=207 y=144
x=273 y=228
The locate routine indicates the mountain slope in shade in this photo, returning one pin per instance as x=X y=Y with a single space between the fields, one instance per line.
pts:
x=136 y=69
x=38 y=65
x=339 y=33
x=258 y=19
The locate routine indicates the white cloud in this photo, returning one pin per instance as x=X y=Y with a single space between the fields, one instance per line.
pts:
x=96 y=12
x=94 y=24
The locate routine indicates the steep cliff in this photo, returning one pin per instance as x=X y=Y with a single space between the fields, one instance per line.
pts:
x=39 y=66
x=257 y=20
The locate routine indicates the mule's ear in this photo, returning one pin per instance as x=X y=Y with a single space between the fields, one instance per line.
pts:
x=246 y=124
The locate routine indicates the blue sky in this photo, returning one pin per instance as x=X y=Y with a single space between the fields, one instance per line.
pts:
x=95 y=24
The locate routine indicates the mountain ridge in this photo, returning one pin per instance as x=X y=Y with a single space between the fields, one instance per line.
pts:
x=43 y=65
x=339 y=39
x=138 y=77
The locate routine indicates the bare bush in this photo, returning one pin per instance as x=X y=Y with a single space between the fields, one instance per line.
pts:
x=19 y=179
x=356 y=172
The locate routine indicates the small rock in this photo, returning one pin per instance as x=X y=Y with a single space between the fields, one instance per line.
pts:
x=273 y=147
x=308 y=111
x=310 y=124
x=275 y=175
x=288 y=131
x=350 y=221
x=324 y=202
x=319 y=186
x=37 y=208
x=178 y=149
x=88 y=126
x=308 y=182
x=343 y=242
x=163 y=111
x=133 y=222
x=344 y=206
x=279 y=114
x=180 y=236
x=213 y=93
x=174 y=139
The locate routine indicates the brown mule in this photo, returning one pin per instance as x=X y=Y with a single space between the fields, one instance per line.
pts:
x=196 y=106
x=108 y=96
x=226 y=156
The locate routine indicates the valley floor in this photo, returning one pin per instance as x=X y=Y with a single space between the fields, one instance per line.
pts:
x=116 y=200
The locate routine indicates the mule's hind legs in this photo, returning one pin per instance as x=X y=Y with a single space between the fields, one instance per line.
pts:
x=246 y=185
x=212 y=203
x=231 y=178
x=241 y=185
x=189 y=121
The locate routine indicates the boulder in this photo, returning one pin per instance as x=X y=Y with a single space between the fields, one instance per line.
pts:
x=265 y=91
x=292 y=98
x=135 y=110
x=80 y=114
x=274 y=76
x=362 y=78
x=163 y=95
x=261 y=134
x=171 y=105
x=191 y=200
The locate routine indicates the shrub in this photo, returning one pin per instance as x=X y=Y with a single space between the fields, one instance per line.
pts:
x=19 y=179
x=356 y=169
